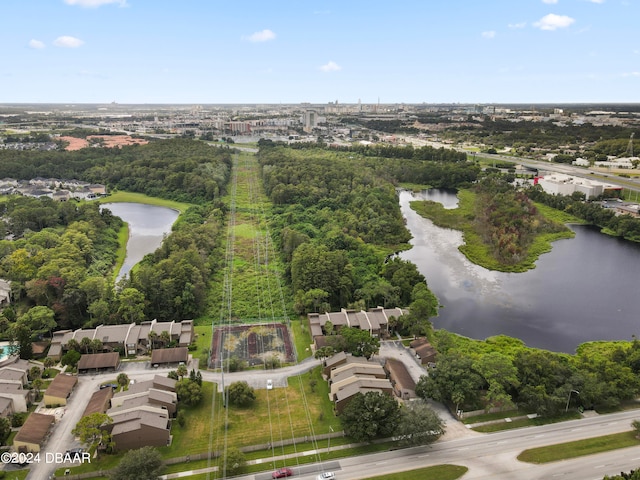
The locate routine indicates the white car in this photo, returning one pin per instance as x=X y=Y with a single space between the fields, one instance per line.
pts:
x=326 y=476
x=269 y=384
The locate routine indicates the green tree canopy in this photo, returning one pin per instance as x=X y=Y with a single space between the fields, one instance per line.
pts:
x=360 y=343
x=91 y=429
x=189 y=392
x=142 y=464
x=418 y=425
x=453 y=381
x=370 y=415
x=240 y=394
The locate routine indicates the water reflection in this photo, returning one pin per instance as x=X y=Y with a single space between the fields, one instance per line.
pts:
x=148 y=224
x=584 y=289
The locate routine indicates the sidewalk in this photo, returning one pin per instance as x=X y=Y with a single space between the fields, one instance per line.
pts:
x=264 y=461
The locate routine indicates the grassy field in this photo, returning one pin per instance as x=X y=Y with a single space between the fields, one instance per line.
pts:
x=120 y=197
x=589 y=446
x=474 y=248
x=439 y=472
x=256 y=275
x=121 y=254
x=302 y=338
x=281 y=413
x=526 y=422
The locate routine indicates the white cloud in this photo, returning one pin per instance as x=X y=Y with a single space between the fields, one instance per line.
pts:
x=33 y=43
x=596 y=1
x=550 y=1
x=489 y=34
x=68 y=42
x=262 y=36
x=631 y=74
x=553 y=22
x=331 y=67
x=517 y=25
x=94 y=3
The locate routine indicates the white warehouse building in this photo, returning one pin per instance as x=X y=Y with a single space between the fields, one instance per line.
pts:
x=561 y=184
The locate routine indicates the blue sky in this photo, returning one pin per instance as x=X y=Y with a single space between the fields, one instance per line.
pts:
x=291 y=51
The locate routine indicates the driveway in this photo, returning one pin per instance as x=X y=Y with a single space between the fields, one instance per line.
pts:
x=453 y=427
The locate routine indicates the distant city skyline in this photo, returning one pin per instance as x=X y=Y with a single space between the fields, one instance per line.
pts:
x=197 y=51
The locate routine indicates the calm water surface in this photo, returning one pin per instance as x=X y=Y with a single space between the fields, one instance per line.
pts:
x=148 y=224
x=586 y=288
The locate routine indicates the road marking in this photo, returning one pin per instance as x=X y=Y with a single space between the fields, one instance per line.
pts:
x=380 y=463
x=425 y=455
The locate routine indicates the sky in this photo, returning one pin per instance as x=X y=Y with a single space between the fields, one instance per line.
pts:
x=292 y=51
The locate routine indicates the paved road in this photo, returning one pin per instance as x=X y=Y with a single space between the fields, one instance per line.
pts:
x=489 y=456
x=493 y=456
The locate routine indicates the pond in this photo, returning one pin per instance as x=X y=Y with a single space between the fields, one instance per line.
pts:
x=584 y=289
x=148 y=225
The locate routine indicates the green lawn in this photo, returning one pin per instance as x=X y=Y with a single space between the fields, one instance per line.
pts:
x=131 y=197
x=437 y=472
x=301 y=338
x=589 y=446
x=526 y=422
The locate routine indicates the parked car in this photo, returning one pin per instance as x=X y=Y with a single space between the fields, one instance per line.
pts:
x=269 y=384
x=74 y=451
x=282 y=473
x=326 y=476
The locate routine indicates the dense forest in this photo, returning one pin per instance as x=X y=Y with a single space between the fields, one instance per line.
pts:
x=178 y=169
x=337 y=222
x=59 y=256
x=503 y=372
x=57 y=263
x=174 y=280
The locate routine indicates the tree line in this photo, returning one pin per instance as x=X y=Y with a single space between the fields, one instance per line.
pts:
x=624 y=226
x=177 y=169
x=337 y=220
x=503 y=372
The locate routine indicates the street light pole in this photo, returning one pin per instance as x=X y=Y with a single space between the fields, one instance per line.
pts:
x=569 y=399
x=329 y=442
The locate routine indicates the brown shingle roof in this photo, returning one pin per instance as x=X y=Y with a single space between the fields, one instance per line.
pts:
x=62 y=386
x=99 y=360
x=99 y=402
x=399 y=374
x=170 y=355
x=35 y=428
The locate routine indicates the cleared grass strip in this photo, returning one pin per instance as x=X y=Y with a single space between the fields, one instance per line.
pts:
x=579 y=448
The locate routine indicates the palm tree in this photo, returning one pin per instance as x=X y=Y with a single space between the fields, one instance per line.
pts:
x=181 y=370
x=122 y=379
x=73 y=345
x=48 y=362
x=96 y=345
x=152 y=339
x=37 y=385
x=165 y=338
x=85 y=344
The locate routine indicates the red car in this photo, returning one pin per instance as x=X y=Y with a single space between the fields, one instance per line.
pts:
x=282 y=473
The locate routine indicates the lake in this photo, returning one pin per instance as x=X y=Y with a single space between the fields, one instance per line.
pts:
x=584 y=289
x=148 y=225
